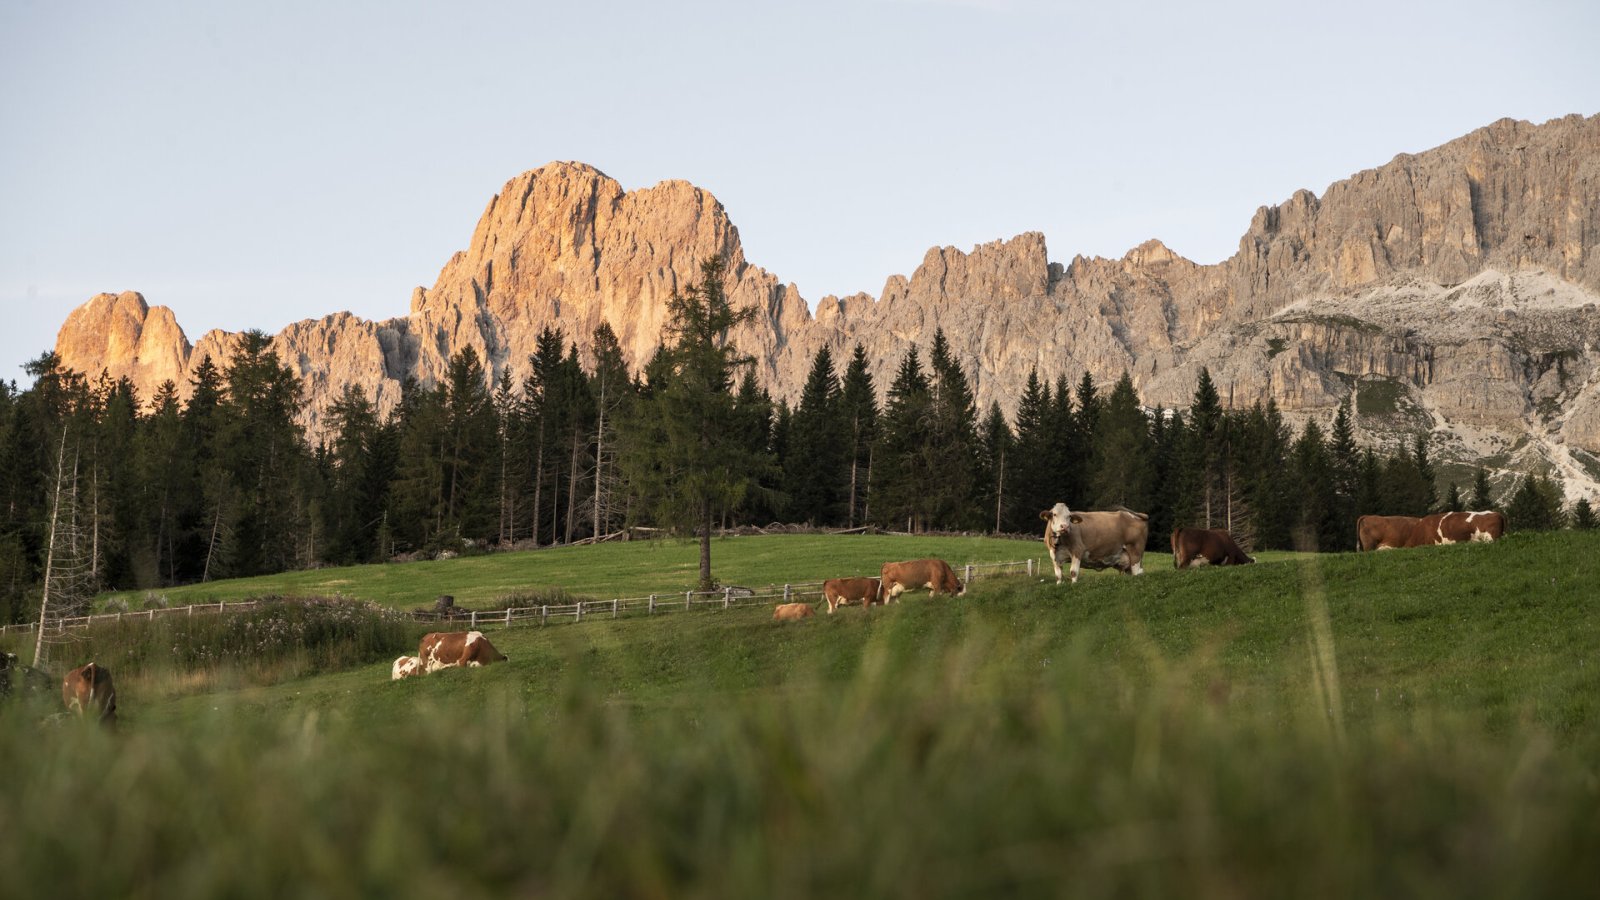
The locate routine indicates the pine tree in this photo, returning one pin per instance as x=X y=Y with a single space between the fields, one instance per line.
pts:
x=753 y=429
x=901 y=494
x=1482 y=499
x=1430 y=480
x=1203 y=503
x=954 y=458
x=858 y=403
x=166 y=464
x=1033 y=481
x=1536 y=505
x=263 y=453
x=1583 y=516
x=693 y=472
x=1346 y=460
x=998 y=445
x=1123 y=455
x=1453 y=501
x=815 y=468
x=613 y=393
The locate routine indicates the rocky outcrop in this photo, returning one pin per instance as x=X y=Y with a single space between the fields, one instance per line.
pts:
x=1465 y=276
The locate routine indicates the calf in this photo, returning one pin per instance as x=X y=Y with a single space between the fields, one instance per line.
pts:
x=1099 y=540
x=444 y=649
x=1385 y=532
x=934 y=574
x=1202 y=546
x=405 y=667
x=793 y=612
x=846 y=591
x=87 y=690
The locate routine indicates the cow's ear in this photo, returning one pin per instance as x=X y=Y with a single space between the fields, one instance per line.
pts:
x=1046 y=514
x=1075 y=519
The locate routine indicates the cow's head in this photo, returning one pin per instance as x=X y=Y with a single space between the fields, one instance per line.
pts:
x=1058 y=519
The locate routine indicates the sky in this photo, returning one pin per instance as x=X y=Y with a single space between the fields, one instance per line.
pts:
x=253 y=164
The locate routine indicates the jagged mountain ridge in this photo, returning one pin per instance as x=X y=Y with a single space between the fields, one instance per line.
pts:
x=1300 y=313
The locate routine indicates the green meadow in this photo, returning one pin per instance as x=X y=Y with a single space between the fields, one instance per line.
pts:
x=1408 y=723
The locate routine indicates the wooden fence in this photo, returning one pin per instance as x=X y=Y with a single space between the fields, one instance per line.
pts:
x=654 y=604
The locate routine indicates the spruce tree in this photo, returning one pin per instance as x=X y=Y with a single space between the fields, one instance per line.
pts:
x=859 y=411
x=1536 y=505
x=1202 y=500
x=955 y=456
x=1430 y=479
x=1583 y=516
x=1452 y=500
x=902 y=490
x=816 y=466
x=1316 y=527
x=999 y=493
x=692 y=471
x=1123 y=455
x=1033 y=482
x=613 y=393
x=1482 y=499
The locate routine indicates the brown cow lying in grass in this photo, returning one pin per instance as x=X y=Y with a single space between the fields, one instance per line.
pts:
x=87 y=691
x=446 y=649
x=934 y=574
x=792 y=612
x=1206 y=546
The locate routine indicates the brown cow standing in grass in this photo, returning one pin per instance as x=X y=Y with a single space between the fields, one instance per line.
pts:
x=792 y=612
x=1385 y=532
x=87 y=690
x=1099 y=540
x=1206 y=546
x=848 y=591
x=1458 y=528
x=934 y=574
x=444 y=649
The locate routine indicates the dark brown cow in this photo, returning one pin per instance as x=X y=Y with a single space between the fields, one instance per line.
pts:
x=934 y=574
x=1099 y=540
x=792 y=612
x=87 y=690
x=1385 y=532
x=1206 y=546
x=1458 y=528
x=848 y=591
x=443 y=649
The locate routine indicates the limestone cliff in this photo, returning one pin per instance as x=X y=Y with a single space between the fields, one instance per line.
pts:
x=1457 y=286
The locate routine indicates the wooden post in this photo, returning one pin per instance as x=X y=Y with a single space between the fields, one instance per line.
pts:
x=687 y=596
x=577 y=615
x=191 y=610
x=786 y=593
x=1030 y=567
x=544 y=614
x=652 y=604
x=474 y=619
x=727 y=596
x=968 y=582
x=614 y=608
x=508 y=617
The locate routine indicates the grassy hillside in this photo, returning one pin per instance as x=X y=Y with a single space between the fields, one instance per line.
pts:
x=1421 y=722
x=604 y=571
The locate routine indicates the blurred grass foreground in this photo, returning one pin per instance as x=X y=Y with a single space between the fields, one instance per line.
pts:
x=1210 y=734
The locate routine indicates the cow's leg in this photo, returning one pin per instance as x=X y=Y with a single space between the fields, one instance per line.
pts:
x=1056 y=561
x=1076 y=565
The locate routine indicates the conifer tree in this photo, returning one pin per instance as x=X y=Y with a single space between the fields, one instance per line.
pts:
x=1123 y=455
x=954 y=458
x=998 y=445
x=1536 y=505
x=1583 y=516
x=1202 y=469
x=859 y=411
x=613 y=393
x=1430 y=487
x=1482 y=497
x=1452 y=500
x=815 y=467
x=1066 y=449
x=692 y=471
x=1033 y=482
x=901 y=494
x=753 y=413
x=1316 y=528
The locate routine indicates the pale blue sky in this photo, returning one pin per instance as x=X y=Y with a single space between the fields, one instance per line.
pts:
x=253 y=164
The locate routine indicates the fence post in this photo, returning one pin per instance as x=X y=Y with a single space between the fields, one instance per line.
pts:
x=727 y=596
x=613 y=608
x=191 y=610
x=652 y=604
x=1030 y=567
x=152 y=616
x=786 y=593
x=473 y=619
x=968 y=582
x=508 y=617
x=544 y=614
x=577 y=616
x=687 y=596
x=219 y=606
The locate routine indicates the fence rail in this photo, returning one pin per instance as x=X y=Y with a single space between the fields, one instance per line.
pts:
x=545 y=614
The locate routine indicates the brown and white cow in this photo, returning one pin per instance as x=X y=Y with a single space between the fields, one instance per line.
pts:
x=1459 y=528
x=1099 y=540
x=405 y=667
x=792 y=612
x=444 y=649
x=87 y=691
x=849 y=592
x=1385 y=532
x=1206 y=546
x=934 y=574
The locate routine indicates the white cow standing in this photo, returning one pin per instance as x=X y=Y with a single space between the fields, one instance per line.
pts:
x=1099 y=540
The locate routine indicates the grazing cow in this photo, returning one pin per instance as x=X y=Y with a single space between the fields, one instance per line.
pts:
x=405 y=667
x=846 y=591
x=793 y=612
x=87 y=690
x=1459 y=528
x=443 y=649
x=934 y=574
x=1203 y=546
x=1385 y=532
x=1099 y=540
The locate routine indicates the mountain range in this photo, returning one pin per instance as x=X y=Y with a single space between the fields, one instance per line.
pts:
x=1452 y=291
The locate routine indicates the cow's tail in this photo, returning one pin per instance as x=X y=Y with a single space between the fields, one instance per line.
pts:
x=1175 y=548
x=1359 y=541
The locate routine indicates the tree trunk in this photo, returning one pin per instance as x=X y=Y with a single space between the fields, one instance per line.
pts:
x=855 y=462
x=211 y=548
x=866 y=495
x=705 y=544
x=572 y=483
x=1000 y=492
x=50 y=554
x=538 y=483
x=599 y=455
